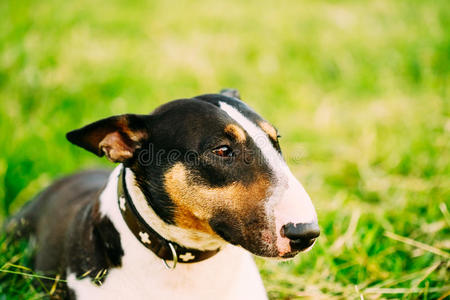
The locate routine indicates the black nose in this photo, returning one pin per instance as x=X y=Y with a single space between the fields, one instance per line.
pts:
x=302 y=235
x=301 y=231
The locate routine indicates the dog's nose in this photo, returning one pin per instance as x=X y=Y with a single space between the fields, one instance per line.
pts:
x=301 y=231
x=302 y=235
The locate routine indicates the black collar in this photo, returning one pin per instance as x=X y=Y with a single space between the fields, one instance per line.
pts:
x=150 y=238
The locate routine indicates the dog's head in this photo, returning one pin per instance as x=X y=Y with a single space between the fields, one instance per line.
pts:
x=211 y=165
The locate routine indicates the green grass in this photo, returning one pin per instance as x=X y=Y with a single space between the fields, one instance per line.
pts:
x=358 y=89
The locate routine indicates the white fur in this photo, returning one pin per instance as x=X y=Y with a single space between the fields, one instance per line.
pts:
x=289 y=201
x=230 y=274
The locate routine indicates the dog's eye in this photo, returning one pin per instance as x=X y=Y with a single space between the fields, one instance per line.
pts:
x=223 y=151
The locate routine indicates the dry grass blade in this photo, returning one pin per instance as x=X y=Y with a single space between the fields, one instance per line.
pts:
x=8 y=264
x=391 y=282
x=445 y=295
x=30 y=275
x=359 y=293
x=444 y=289
x=55 y=284
x=445 y=212
x=427 y=273
x=417 y=244
x=347 y=237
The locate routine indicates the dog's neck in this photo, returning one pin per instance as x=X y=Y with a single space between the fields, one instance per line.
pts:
x=163 y=248
x=185 y=237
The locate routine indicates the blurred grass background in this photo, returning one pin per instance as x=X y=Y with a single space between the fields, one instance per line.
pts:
x=358 y=89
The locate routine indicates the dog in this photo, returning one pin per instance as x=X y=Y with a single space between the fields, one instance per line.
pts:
x=198 y=182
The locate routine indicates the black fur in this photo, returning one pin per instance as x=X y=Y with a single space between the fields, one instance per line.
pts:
x=66 y=222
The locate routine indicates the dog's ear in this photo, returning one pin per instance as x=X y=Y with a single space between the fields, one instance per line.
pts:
x=231 y=93
x=117 y=137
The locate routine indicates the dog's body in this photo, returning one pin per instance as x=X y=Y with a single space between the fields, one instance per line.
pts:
x=219 y=196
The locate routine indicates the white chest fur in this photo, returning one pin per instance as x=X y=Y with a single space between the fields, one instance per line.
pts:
x=230 y=274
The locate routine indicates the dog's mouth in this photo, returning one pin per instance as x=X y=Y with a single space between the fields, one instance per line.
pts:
x=271 y=248
x=299 y=247
x=302 y=245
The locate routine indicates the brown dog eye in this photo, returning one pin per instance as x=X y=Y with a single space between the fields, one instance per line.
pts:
x=223 y=151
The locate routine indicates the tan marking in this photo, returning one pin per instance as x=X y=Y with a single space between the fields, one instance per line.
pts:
x=237 y=132
x=267 y=128
x=197 y=203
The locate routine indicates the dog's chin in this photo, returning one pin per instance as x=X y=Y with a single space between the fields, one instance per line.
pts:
x=290 y=255
x=278 y=257
x=274 y=254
